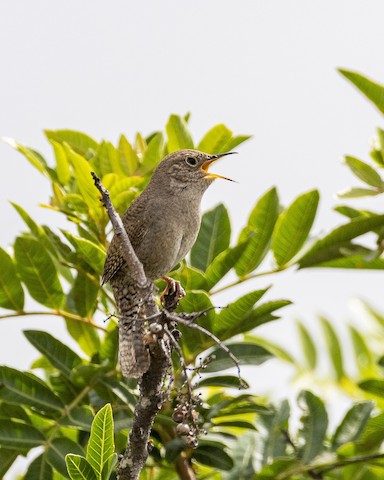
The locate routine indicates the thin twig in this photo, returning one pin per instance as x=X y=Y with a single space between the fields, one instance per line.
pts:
x=56 y=313
x=219 y=343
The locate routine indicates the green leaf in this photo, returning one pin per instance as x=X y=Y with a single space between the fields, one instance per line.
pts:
x=140 y=144
x=190 y=278
x=120 y=389
x=173 y=449
x=153 y=154
x=88 y=374
x=279 y=466
x=331 y=245
x=109 y=466
x=254 y=318
x=36 y=229
x=79 y=468
x=124 y=185
x=260 y=315
x=84 y=294
x=124 y=191
x=243 y=454
x=74 y=203
x=293 y=226
x=107 y=160
x=259 y=230
x=246 y=352
x=178 y=134
x=230 y=318
x=235 y=141
x=334 y=348
x=7 y=458
x=356 y=262
x=236 y=424
x=14 y=411
x=230 y=406
x=373 y=435
x=39 y=469
x=60 y=356
x=128 y=157
x=275 y=349
x=38 y=272
x=372 y=90
x=11 y=291
x=272 y=427
x=213 y=238
x=34 y=157
x=93 y=254
x=222 y=264
x=79 y=142
x=110 y=345
x=62 y=165
x=19 y=436
x=85 y=336
x=373 y=386
x=350 y=212
x=48 y=240
x=357 y=192
x=362 y=352
x=84 y=181
x=193 y=342
x=308 y=346
x=215 y=139
x=314 y=422
x=373 y=314
x=26 y=389
x=101 y=444
x=352 y=425
x=229 y=381
x=364 y=171
x=213 y=456
x=80 y=417
x=58 y=448
x=378 y=155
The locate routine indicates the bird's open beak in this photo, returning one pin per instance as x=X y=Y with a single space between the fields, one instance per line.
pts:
x=211 y=176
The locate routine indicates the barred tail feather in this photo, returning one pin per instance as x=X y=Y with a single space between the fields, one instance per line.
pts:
x=134 y=357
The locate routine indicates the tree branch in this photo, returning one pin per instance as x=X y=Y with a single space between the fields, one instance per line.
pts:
x=153 y=393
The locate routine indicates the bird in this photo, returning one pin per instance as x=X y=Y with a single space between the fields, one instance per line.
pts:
x=162 y=224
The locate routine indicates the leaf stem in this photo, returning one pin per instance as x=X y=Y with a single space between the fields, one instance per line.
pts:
x=56 y=313
x=250 y=277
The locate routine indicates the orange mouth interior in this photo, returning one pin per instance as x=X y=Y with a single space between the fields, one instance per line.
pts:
x=211 y=176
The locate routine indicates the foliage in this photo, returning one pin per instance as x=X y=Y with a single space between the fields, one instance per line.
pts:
x=62 y=410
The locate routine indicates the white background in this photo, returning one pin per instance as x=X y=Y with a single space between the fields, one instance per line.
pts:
x=262 y=68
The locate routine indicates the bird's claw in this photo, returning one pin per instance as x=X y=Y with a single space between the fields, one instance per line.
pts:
x=172 y=294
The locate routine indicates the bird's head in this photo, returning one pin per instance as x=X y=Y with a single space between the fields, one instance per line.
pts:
x=188 y=169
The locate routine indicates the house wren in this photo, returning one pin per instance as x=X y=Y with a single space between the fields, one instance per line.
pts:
x=162 y=225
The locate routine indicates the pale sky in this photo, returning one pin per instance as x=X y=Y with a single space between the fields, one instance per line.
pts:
x=262 y=68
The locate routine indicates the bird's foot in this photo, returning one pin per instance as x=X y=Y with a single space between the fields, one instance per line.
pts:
x=173 y=293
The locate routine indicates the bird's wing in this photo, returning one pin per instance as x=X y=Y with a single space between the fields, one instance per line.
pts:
x=136 y=231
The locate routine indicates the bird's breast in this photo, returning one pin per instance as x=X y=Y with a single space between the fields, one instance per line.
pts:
x=168 y=240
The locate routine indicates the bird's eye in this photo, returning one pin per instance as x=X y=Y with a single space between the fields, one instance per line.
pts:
x=191 y=161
